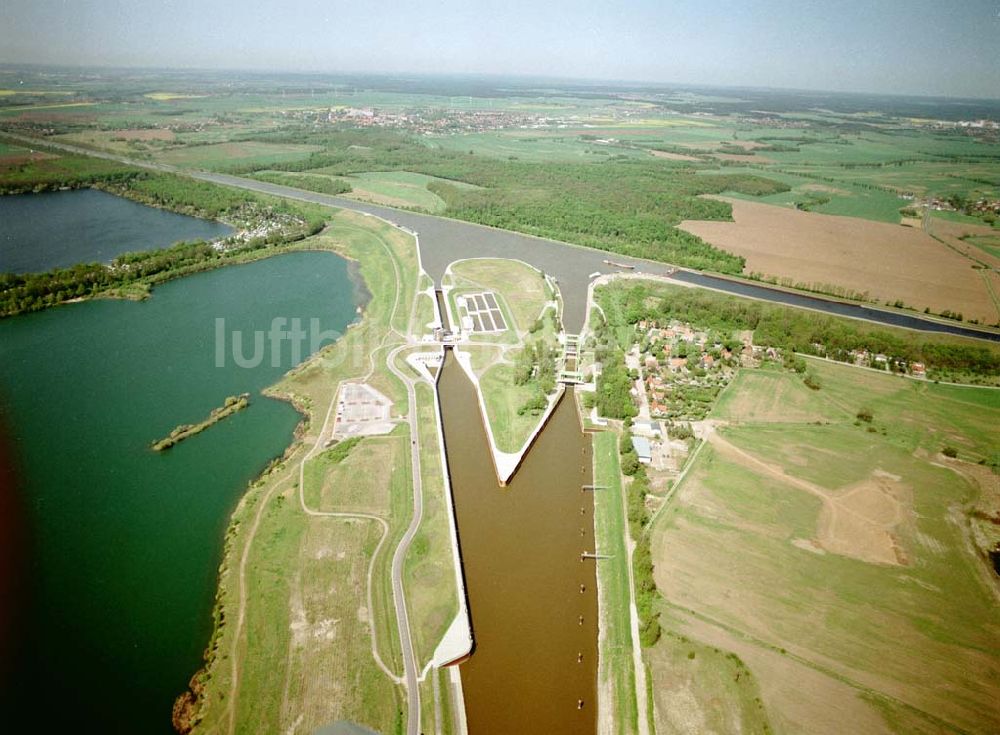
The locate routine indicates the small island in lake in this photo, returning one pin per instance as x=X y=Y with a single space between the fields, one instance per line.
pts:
x=182 y=432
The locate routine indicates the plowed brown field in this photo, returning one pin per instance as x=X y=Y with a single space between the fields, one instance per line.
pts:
x=886 y=261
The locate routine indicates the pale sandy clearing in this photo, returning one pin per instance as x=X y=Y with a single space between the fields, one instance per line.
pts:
x=143 y=134
x=826 y=189
x=673 y=156
x=742 y=158
x=859 y=522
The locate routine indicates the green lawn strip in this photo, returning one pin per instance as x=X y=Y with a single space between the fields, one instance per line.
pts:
x=428 y=573
x=384 y=614
x=503 y=399
x=448 y=723
x=616 y=662
x=424 y=314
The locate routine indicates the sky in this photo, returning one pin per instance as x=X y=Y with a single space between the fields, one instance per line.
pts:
x=924 y=47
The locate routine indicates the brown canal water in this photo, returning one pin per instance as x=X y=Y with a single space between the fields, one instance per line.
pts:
x=535 y=656
x=439 y=295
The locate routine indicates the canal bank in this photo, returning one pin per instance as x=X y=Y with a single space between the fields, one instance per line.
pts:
x=532 y=595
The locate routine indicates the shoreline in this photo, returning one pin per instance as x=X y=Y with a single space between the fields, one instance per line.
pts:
x=193 y=703
x=190 y=700
x=140 y=289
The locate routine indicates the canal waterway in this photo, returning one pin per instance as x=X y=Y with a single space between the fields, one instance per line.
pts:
x=121 y=545
x=532 y=600
x=60 y=228
x=443 y=241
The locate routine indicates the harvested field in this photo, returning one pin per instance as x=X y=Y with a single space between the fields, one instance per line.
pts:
x=827 y=252
x=953 y=232
x=742 y=158
x=674 y=156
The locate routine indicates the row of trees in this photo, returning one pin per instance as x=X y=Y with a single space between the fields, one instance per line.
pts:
x=796 y=329
x=135 y=272
x=536 y=365
x=321 y=184
x=642 y=558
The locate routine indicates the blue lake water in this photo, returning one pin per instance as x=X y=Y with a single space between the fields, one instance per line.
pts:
x=119 y=545
x=39 y=232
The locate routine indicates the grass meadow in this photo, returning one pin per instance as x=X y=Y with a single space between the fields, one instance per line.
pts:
x=303 y=593
x=770 y=550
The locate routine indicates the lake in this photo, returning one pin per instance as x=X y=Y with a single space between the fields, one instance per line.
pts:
x=39 y=232
x=121 y=545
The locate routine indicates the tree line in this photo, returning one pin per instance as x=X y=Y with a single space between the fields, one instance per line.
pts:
x=795 y=329
x=623 y=205
x=132 y=273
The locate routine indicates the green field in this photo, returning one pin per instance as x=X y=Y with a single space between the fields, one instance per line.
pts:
x=227 y=155
x=399 y=189
x=293 y=625
x=429 y=570
x=522 y=289
x=700 y=688
x=503 y=399
x=847 y=542
x=616 y=673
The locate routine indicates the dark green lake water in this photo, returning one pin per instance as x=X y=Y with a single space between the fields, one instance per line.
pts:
x=60 y=228
x=122 y=545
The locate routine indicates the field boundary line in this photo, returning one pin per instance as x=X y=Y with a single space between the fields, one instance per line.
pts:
x=825 y=670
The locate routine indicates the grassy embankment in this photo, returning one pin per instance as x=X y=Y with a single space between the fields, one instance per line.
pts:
x=522 y=295
x=616 y=674
x=834 y=555
x=182 y=432
x=429 y=573
x=277 y=621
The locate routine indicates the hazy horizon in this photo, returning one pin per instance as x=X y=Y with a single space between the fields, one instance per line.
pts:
x=917 y=48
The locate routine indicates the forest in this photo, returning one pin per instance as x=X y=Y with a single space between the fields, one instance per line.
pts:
x=621 y=204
